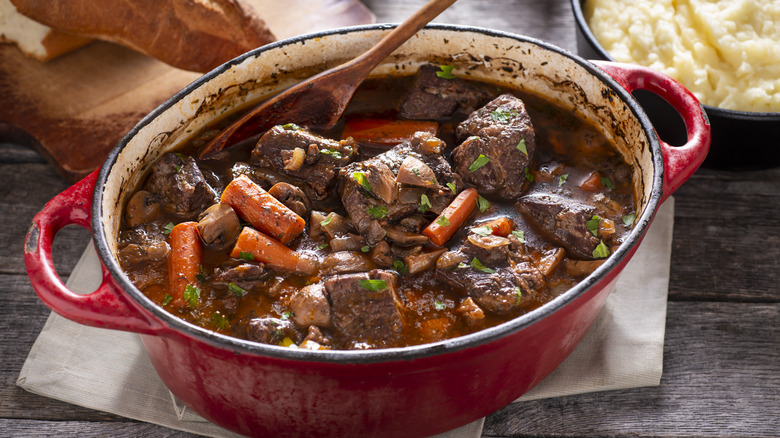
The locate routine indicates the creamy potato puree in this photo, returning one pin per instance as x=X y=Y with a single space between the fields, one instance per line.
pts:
x=727 y=52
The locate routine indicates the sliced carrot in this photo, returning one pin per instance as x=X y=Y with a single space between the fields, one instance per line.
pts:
x=501 y=226
x=386 y=131
x=263 y=211
x=448 y=222
x=256 y=246
x=184 y=261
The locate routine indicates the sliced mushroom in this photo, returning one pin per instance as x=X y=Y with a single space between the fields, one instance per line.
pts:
x=489 y=242
x=551 y=260
x=347 y=242
x=401 y=237
x=335 y=225
x=310 y=306
x=382 y=182
x=422 y=261
x=451 y=260
x=375 y=233
x=343 y=262
x=291 y=196
x=219 y=226
x=416 y=173
x=381 y=254
x=142 y=208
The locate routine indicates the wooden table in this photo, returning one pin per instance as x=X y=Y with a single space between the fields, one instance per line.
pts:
x=722 y=350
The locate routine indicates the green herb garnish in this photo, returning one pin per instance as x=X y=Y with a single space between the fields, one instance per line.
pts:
x=453 y=188
x=248 y=256
x=192 y=295
x=519 y=293
x=593 y=225
x=478 y=163
x=378 y=211
x=562 y=179
x=286 y=315
x=237 y=290
x=168 y=228
x=484 y=230
x=482 y=203
x=373 y=285
x=607 y=183
x=333 y=153
x=361 y=179
x=291 y=127
x=326 y=221
x=167 y=299
x=400 y=266
x=322 y=246
x=476 y=264
x=601 y=251
x=502 y=116
x=445 y=72
x=528 y=175
x=520 y=235
x=220 y=321
x=425 y=203
x=366 y=248
x=629 y=219
x=438 y=305
x=443 y=221
x=521 y=147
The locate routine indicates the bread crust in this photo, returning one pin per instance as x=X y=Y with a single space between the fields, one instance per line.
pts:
x=195 y=35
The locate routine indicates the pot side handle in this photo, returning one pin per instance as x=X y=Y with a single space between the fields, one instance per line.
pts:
x=107 y=306
x=680 y=162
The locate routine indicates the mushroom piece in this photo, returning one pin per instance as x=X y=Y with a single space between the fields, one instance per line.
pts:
x=422 y=261
x=219 y=226
x=291 y=196
x=347 y=242
x=310 y=306
x=141 y=208
x=416 y=173
x=381 y=254
x=382 y=182
x=402 y=237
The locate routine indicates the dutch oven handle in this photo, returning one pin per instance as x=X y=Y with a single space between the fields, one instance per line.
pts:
x=680 y=162
x=107 y=306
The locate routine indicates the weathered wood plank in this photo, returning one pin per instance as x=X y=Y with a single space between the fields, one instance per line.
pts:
x=86 y=429
x=721 y=363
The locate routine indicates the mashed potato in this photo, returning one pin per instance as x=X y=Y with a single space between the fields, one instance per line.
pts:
x=727 y=52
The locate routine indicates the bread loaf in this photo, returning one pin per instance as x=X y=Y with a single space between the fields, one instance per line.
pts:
x=34 y=39
x=195 y=35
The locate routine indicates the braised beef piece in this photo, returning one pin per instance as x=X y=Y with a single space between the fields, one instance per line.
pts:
x=313 y=159
x=365 y=308
x=178 y=180
x=270 y=330
x=247 y=276
x=563 y=220
x=498 y=147
x=436 y=98
x=142 y=245
x=372 y=196
x=495 y=292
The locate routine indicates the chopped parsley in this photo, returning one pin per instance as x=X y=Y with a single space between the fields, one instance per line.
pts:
x=476 y=264
x=519 y=293
x=482 y=203
x=439 y=305
x=322 y=246
x=479 y=163
x=248 y=256
x=562 y=179
x=326 y=221
x=443 y=221
x=291 y=127
x=220 y=321
x=416 y=171
x=528 y=175
x=521 y=147
x=484 y=230
x=192 y=295
x=400 y=266
x=332 y=152
x=373 y=285
x=361 y=179
x=607 y=183
x=445 y=72
x=168 y=228
x=520 y=235
x=366 y=248
x=593 y=225
x=425 y=203
x=601 y=251
x=237 y=290
x=378 y=211
x=167 y=299
x=502 y=116
x=453 y=188
x=629 y=219
x=286 y=315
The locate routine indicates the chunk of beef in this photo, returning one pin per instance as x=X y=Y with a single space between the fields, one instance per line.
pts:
x=471 y=312
x=247 y=276
x=498 y=148
x=280 y=148
x=491 y=250
x=142 y=245
x=316 y=340
x=370 y=191
x=310 y=306
x=365 y=308
x=562 y=220
x=270 y=330
x=495 y=292
x=436 y=98
x=179 y=183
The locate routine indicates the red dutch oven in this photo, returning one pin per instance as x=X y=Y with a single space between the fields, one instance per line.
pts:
x=265 y=390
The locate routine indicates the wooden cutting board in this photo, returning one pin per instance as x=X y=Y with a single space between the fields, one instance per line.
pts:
x=74 y=109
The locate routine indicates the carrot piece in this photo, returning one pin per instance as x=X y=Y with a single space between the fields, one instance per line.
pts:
x=184 y=261
x=386 y=131
x=270 y=251
x=262 y=210
x=448 y=222
x=592 y=183
x=501 y=226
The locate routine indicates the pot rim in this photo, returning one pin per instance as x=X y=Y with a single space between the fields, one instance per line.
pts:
x=482 y=337
x=593 y=42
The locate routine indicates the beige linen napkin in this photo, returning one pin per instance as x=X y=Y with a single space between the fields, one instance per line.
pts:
x=109 y=370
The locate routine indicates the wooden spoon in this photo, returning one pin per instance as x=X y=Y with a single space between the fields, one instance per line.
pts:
x=320 y=100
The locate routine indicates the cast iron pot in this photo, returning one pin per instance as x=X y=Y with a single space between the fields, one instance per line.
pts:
x=741 y=140
x=266 y=390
